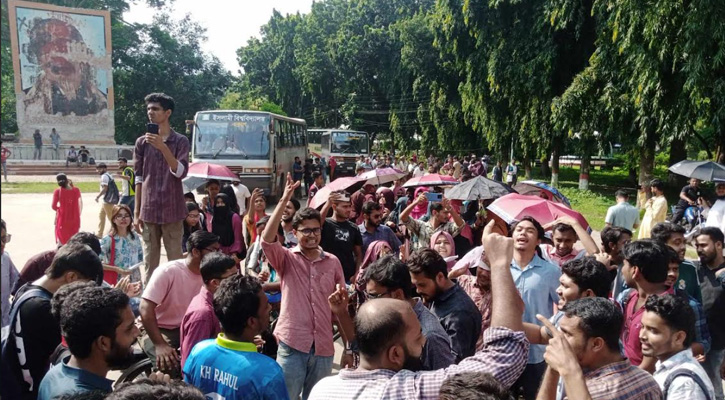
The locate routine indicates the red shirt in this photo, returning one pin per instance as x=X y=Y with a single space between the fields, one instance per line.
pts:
x=4 y=153
x=632 y=325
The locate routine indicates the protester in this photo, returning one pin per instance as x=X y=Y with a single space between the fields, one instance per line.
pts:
x=655 y=209
x=128 y=178
x=161 y=161
x=68 y=205
x=565 y=233
x=388 y=277
x=372 y=230
x=121 y=250
x=390 y=339
x=421 y=207
x=585 y=353
x=690 y=195
x=243 y=311
x=242 y=194
x=317 y=183
x=192 y=223
x=212 y=189
x=537 y=281
x=613 y=241
x=292 y=206
x=477 y=287
x=673 y=236
x=455 y=310
x=711 y=273
x=99 y=328
x=473 y=386
x=441 y=214
x=227 y=224
x=166 y=298
x=34 y=332
x=443 y=243
x=623 y=214
x=668 y=330
x=148 y=389
x=109 y=193
x=304 y=325
x=645 y=272
x=256 y=211
x=358 y=199
x=340 y=236
x=200 y=322
x=9 y=275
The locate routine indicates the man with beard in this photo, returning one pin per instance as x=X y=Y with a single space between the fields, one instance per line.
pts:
x=440 y=220
x=711 y=271
x=613 y=241
x=340 y=236
x=455 y=310
x=673 y=235
x=565 y=233
x=389 y=337
x=371 y=229
x=292 y=206
x=389 y=278
x=98 y=326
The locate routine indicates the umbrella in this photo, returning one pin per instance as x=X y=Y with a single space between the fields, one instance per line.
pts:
x=382 y=176
x=201 y=172
x=514 y=206
x=346 y=183
x=702 y=170
x=534 y=188
x=431 y=180
x=478 y=188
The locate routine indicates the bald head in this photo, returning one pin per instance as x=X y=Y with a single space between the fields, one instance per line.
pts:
x=379 y=324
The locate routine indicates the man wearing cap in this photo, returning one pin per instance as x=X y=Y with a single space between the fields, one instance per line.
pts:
x=127 y=177
x=108 y=187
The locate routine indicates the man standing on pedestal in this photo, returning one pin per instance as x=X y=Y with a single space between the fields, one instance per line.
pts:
x=161 y=161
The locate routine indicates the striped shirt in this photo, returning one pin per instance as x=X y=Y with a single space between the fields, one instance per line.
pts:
x=162 y=197
x=503 y=356
x=621 y=381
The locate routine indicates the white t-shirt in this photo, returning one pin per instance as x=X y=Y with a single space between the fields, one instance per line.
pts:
x=105 y=179
x=418 y=172
x=716 y=215
x=242 y=193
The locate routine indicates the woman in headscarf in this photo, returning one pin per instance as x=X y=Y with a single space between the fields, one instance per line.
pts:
x=443 y=243
x=376 y=250
x=421 y=209
x=388 y=196
x=227 y=225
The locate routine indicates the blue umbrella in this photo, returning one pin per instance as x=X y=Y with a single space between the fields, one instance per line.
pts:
x=535 y=188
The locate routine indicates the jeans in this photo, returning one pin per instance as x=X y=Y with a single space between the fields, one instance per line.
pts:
x=37 y=153
x=130 y=201
x=302 y=370
x=713 y=361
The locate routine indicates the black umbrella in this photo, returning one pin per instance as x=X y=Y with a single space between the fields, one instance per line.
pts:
x=702 y=170
x=479 y=188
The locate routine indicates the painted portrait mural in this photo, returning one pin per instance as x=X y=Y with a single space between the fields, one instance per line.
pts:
x=63 y=73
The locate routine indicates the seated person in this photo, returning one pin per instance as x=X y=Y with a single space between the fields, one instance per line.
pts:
x=84 y=155
x=72 y=156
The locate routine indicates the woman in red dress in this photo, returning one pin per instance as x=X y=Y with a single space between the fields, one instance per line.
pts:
x=67 y=203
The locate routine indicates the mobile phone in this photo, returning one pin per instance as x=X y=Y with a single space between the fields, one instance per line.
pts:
x=434 y=196
x=152 y=128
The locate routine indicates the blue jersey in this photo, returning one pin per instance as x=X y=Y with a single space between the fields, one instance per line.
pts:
x=227 y=370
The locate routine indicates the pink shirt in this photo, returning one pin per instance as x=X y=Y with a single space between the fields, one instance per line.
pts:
x=171 y=288
x=549 y=253
x=305 y=318
x=199 y=323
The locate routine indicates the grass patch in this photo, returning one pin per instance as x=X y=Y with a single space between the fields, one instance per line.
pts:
x=44 y=187
x=593 y=206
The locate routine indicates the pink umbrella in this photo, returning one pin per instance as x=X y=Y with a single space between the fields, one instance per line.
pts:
x=514 y=206
x=206 y=170
x=338 y=184
x=431 y=180
x=382 y=176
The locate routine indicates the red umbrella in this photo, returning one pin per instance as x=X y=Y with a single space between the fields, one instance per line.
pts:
x=514 y=206
x=338 y=184
x=211 y=171
x=431 y=180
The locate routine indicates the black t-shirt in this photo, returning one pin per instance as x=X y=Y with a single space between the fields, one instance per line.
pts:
x=692 y=193
x=713 y=303
x=39 y=336
x=340 y=239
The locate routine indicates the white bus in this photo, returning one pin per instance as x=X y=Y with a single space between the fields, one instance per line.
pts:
x=258 y=146
x=346 y=146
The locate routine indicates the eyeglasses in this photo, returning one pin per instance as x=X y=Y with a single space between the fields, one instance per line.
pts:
x=6 y=238
x=372 y=296
x=310 y=232
x=123 y=216
x=211 y=249
x=193 y=215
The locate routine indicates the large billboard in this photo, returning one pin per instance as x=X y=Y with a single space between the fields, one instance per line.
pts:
x=63 y=73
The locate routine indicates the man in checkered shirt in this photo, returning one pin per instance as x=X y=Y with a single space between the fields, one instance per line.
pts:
x=389 y=338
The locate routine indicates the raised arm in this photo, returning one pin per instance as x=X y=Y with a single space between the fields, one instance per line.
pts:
x=270 y=231
x=507 y=307
x=589 y=245
x=406 y=213
x=454 y=214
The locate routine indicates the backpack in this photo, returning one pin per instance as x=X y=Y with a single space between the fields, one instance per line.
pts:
x=685 y=372
x=10 y=388
x=111 y=195
x=128 y=171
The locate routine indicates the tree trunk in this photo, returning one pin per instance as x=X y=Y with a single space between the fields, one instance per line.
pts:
x=527 y=167
x=678 y=152
x=721 y=149
x=584 y=171
x=545 y=170
x=647 y=162
x=555 y=153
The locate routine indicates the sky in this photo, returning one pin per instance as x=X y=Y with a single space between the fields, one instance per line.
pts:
x=229 y=23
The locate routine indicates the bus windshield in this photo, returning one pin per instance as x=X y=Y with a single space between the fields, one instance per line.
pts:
x=232 y=135
x=349 y=142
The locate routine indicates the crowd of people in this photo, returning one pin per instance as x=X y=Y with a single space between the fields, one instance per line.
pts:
x=431 y=299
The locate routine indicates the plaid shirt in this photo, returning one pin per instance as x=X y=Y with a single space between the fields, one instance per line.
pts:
x=162 y=197
x=503 y=356
x=621 y=381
